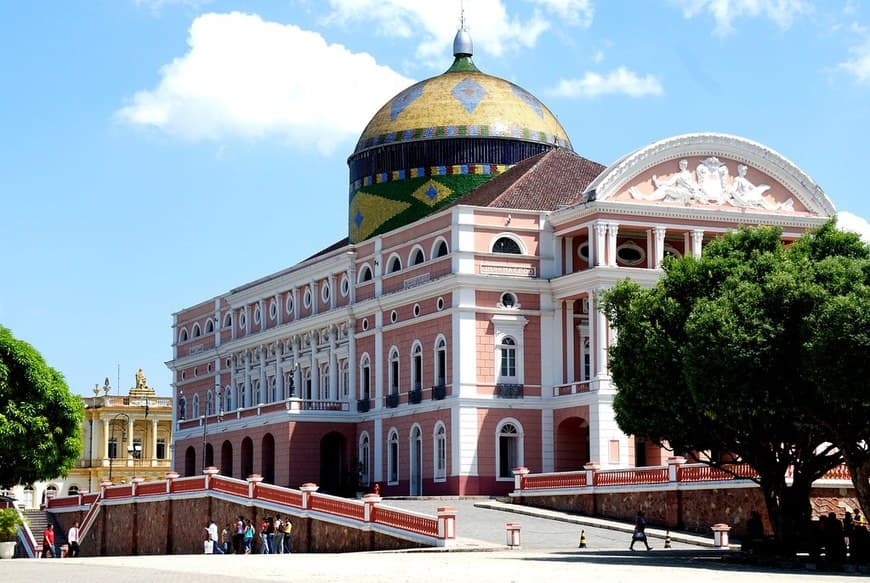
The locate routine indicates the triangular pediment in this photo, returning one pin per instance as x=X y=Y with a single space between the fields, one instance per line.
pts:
x=715 y=172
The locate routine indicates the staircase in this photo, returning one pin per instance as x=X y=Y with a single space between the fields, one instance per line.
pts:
x=39 y=521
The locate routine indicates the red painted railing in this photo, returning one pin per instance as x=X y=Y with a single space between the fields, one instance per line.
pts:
x=705 y=473
x=64 y=501
x=284 y=496
x=124 y=491
x=417 y=523
x=631 y=477
x=841 y=472
x=339 y=506
x=151 y=488
x=229 y=486
x=191 y=484
x=90 y=498
x=557 y=480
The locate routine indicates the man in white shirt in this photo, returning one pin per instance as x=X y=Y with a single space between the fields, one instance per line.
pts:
x=72 y=539
x=213 y=537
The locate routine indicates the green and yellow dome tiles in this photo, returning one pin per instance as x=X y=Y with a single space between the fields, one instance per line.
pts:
x=439 y=139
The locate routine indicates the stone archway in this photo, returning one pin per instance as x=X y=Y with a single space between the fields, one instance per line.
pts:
x=227 y=459
x=267 y=453
x=572 y=444
x=247 y=457
x=333 y=463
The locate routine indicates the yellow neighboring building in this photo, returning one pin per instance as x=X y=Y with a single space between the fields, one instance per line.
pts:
x=122 y=437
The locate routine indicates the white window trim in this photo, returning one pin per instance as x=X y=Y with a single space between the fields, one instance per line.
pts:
x=435 y=351
x=362 y=270
x=413 y=252
x=433 y=254
x=392 y=436
x=521 y=448
x=523 y=249
x=393 y=257
x=436 y=476
x=509 y=325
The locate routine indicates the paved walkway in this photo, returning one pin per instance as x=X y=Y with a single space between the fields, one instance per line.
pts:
x=549 y=551
x=480 y=522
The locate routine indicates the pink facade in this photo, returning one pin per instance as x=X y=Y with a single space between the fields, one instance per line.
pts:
x=435 y=358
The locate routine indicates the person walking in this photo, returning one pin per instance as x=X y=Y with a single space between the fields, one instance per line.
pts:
x=639 y=533
x=278 y=543
x=213 y=537
x=288 y=529
x=72 y=538
x=48 y=542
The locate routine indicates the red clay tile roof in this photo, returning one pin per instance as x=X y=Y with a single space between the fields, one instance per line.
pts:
x=547 y=181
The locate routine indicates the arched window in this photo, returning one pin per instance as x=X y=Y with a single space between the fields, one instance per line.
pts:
x=209 y=326
x=195 y=412
x=306 y=384
x=363 y=467
x=209 y=404
x=365 y=378
x=509 y=449
x=344 y=379
x=182 y=336
x=507 y=359
x=440 y=448
x=506 y=245
x=417 y=366
x=258 y=397
x=228 y=399
x=365 y=274
x=324 y=382
x=182 y=408
x=394 y=265
x=241 y=400
x=228 y=320
x=73 y=490
x=441 y=361
x=416 y=257
x=393 y=457
x=273 y=390
x=440 y=249
x=196 y=332
x=394 y=372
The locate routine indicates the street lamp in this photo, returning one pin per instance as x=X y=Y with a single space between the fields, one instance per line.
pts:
x=123 y=438
x=204 y=420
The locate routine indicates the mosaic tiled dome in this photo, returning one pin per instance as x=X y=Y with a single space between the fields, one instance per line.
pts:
x=441 y=138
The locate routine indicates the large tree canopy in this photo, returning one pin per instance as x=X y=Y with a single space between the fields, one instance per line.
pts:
x=725 y=355
x=40 y=420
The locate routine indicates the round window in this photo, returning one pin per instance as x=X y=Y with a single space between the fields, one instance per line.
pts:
x=290 y=304
x=273 y=310
x=306 y=300
x=583 y=251
x=324 y=292
x=508 y=300
x=630 y=253
x=394 y=316
x=439 y=303
x=365 y=324
x=416 y=310
x=345 y=286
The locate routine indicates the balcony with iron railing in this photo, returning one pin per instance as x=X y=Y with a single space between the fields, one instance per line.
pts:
x=415 y=395
x=509 y=390
x=363 y=405
x=439 y=391
x=392 y=400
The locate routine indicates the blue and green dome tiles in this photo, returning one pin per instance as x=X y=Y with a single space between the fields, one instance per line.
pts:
x=382 y=206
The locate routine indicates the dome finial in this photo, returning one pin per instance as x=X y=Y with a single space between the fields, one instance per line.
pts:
x=462 y=46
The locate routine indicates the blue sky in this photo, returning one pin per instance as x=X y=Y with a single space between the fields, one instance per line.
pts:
x=158 y=153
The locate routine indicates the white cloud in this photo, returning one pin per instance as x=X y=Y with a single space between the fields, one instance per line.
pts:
x=725 y=12
x=492 y=28
x=858 y=66
x=619 y=80
x=245 y=77
x=850 y=222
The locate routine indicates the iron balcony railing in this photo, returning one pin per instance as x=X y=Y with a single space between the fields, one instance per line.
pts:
x=393 y=400
x=509 y=390
x=439 y=392
x=363 y=406
x=415 y=395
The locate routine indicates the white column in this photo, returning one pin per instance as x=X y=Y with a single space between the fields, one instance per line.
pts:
x=248 y=395
x=295 y=293
x=332 y=291
x=264 y=387
x=153 y=439
x=378 y=358
x=315 y=372
x=612 y=231
x=279 y=373
x=659 y=233
x=279 y=310
x=599 y=249
x=569 y=255
x=129 y=443
x=600 y=334
x=333 y=366
x=697 y=242
x=106 y=438
x=568 y=327
x=352 y=389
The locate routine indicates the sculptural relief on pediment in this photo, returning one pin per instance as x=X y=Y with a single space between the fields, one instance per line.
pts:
x=710 y=182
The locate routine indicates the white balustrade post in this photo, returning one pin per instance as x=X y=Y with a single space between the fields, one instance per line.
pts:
x=253 y=480
x=308 y=488
x=170 y=477
x=519 y=474
x=674 y=464
x=591 y=468
x=446 y=523
x=370 y=500
x=209 y=472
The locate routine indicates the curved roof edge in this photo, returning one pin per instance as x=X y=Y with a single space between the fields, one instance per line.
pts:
x=741 y=149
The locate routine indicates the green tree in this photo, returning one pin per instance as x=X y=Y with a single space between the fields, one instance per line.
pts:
x=723 y=355
x=40 y=420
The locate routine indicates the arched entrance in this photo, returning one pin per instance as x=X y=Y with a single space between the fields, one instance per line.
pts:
x=572 y=444
x=333 y=462
x=416 y=448
x=190 y=461
x=247 y=457
x=267 y=451
x=209 y=455
x=227 y=459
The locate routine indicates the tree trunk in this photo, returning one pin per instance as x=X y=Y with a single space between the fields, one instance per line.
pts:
x=858 y=463
x=789 y=511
